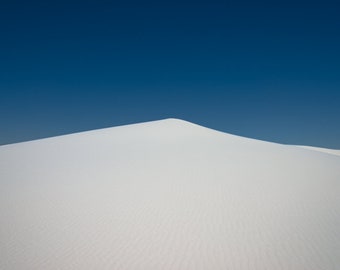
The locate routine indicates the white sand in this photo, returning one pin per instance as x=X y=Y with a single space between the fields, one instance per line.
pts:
x=324 y=150
x=167 y=195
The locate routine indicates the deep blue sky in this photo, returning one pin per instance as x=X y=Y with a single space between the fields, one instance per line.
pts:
x=268 y=70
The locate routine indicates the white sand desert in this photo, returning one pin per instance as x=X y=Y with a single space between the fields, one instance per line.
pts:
x=167 y=195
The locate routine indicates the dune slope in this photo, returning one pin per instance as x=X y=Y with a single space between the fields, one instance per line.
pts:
x=167 y=195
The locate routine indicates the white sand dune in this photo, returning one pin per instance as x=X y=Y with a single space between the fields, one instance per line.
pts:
x=324 y=150
x=167 y=195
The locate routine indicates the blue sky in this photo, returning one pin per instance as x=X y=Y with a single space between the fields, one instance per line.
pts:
x=267 y=70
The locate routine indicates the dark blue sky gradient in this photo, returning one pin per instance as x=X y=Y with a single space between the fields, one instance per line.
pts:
x=267 y=70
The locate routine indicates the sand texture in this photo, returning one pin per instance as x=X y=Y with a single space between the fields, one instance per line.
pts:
x=167 y=195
